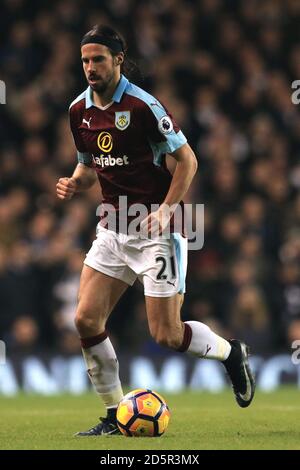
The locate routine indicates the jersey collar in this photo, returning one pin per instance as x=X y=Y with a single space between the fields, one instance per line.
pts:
x=119 y=91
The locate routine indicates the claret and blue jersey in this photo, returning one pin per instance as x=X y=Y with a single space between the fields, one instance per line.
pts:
x=126 y=142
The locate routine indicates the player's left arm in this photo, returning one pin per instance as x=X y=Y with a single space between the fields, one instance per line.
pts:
x=185 y=170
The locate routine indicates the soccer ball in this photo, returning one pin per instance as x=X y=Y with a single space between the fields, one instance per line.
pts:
x=143 y=413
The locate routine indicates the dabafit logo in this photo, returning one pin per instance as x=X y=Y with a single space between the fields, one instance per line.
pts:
x=108 y=160
x=105 y=144
x=2 y=92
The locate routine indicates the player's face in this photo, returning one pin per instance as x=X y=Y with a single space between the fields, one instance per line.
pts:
x=99 y=66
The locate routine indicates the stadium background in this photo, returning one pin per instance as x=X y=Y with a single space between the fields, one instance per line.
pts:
x=224 y=69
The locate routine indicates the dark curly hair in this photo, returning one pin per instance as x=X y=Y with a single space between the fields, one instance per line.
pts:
x=129 y=68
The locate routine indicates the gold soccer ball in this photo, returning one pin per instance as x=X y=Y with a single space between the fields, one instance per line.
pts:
x=143 y=413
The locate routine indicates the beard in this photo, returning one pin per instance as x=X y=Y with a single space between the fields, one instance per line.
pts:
x=101 y=85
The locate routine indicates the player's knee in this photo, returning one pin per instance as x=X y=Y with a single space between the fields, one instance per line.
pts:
x=86 y=322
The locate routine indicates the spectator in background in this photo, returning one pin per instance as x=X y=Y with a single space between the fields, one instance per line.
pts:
x=250 y=319
x=66 y=290
x=24 y=336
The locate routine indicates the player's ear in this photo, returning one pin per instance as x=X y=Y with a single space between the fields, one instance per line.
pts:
x=119 y=59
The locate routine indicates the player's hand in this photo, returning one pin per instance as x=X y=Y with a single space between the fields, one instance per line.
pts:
x=66 y=188
x=157 y=222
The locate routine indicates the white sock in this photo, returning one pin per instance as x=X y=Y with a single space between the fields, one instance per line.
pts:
x=206 y=344
x=103 y=369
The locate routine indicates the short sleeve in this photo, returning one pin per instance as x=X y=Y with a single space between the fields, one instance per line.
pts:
x=82 y=155
x=162 y=129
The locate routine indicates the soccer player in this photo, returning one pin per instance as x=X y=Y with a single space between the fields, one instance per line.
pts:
x=122 y=135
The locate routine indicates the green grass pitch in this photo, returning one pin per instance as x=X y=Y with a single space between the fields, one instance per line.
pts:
x=198 y=421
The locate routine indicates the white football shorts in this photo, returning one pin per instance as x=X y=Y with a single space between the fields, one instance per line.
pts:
x=159 y=263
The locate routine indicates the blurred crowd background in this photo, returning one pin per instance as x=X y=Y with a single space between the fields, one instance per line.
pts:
x=224 y=69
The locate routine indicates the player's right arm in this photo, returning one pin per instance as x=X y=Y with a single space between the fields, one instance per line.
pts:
x=82 y=179
x=84 y=175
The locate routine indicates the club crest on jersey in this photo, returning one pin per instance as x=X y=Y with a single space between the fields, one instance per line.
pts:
x=122 y=120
